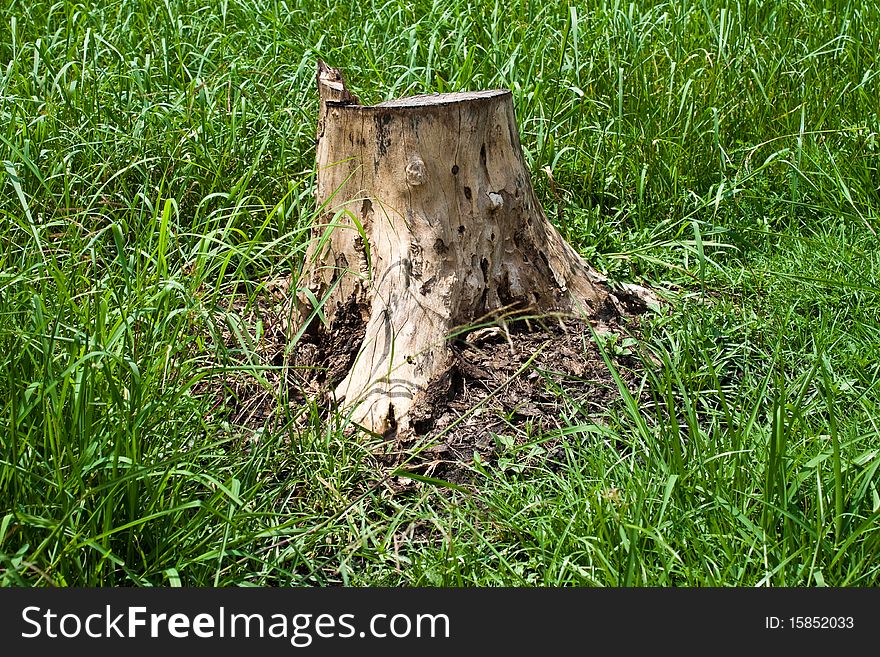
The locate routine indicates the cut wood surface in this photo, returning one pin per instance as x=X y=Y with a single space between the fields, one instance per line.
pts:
x=428 y=223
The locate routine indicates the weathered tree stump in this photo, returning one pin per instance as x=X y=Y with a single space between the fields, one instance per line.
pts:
x=428 y=223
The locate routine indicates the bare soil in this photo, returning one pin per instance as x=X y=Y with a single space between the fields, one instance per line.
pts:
x=518 y=380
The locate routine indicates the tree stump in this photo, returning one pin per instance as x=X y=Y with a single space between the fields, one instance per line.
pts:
x=428 y=223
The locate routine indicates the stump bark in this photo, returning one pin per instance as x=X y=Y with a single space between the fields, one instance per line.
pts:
x=428 y=222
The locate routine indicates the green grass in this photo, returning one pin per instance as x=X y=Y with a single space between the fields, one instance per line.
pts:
x=157 y=157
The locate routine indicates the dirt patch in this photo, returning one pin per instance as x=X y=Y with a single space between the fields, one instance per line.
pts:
x=509 y=383
x=248 y=358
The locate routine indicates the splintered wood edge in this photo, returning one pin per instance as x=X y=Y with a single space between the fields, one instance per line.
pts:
x=432 y=100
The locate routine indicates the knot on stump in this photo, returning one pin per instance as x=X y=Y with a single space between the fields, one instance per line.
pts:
x=496 y=201
x=415 y=172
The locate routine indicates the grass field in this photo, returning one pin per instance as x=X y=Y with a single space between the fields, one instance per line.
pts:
x=157 y=156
